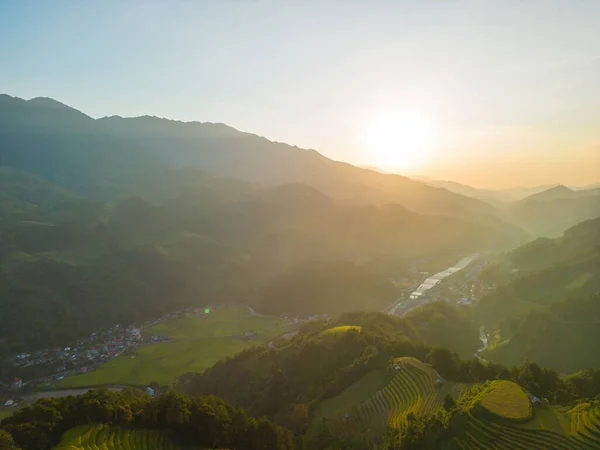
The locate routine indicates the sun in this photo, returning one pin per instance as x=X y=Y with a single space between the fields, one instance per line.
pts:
x=399 y=140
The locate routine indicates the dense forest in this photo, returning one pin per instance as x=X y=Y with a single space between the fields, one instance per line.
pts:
x=208 y=422
x=99 y=263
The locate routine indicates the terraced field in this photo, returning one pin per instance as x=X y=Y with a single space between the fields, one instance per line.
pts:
x=341 y=329
x=103 y=437
x=584 y=434
x=411 y=389
x=519 y=406
x=504 y=420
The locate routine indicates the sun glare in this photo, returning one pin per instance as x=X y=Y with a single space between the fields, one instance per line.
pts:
x=399 y=140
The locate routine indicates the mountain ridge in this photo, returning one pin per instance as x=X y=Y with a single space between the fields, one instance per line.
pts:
x=125 y=145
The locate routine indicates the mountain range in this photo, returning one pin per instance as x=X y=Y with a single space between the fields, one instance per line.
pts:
x=202 y=203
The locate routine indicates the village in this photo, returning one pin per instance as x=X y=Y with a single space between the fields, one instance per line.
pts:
x=85 y=355
x=462 y=288
x=49 y=366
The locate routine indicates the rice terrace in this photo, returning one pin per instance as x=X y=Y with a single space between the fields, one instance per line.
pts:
x=413 y=387
x=500 y=413
x=97 y=436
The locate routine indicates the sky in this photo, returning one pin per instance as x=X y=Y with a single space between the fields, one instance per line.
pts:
x=509 y=89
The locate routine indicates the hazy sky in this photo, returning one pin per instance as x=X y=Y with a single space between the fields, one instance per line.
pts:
x=512 y=87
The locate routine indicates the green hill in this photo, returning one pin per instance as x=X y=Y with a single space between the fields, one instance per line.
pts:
x=131 y=419
x=288 y=249
x=502 y=399
x=548 y=310
x=544 y=431
x=575 y=244
x=411 y=387
x=410 y=408
x=340 y=329
x=552 y=217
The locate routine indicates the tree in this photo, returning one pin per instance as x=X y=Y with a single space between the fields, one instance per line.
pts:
x=123 y=415
x=6 y=441
x=444 y=362
x=299 y=419
x=449 y=402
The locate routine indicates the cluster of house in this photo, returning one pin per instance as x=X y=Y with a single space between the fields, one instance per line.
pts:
x=89 y=353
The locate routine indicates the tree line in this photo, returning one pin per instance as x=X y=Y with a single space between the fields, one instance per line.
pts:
x=208 y=422
x=288 y=384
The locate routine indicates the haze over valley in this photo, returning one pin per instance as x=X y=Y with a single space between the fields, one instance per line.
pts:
x=252 y=225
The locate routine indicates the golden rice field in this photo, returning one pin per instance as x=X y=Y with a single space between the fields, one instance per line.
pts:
x=410 y=389
x=386 y=400
x=546 y=430
x=507 y=399
x=104 y=437
x=341 y=329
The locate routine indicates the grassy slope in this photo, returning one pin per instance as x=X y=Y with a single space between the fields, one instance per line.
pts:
x=96 y=436
x=357 y=393
x=198 y=343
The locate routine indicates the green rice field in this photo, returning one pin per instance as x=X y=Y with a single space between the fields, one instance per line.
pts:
x=198 y=342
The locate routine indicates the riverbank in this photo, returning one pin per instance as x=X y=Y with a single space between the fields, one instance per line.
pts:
x=416 y=297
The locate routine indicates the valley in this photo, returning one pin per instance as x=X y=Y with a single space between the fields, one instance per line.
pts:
x=278 y=225
x=417 y=298
x=350 y=308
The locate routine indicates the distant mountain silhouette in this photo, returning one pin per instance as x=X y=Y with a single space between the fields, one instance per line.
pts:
x=553 y=211
x=562 y=192
x=63 y=145
x=498 y=197
x=554 y=193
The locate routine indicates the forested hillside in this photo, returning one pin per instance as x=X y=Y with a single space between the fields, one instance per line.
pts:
x=549 y=217
x=339 y=384
x=546 y=305
x=201 y=422
x=277 y=382
x=200 y=240
x=63 y=145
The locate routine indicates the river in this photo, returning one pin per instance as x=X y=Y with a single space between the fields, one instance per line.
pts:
x=484 y=343
x=434 y=280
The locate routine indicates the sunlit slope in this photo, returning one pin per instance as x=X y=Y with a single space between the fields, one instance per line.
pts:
x=483 y=433
x=549 y=427
x=97 y=436
x=340 y=330
x=413 y=387
x=501 y=399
